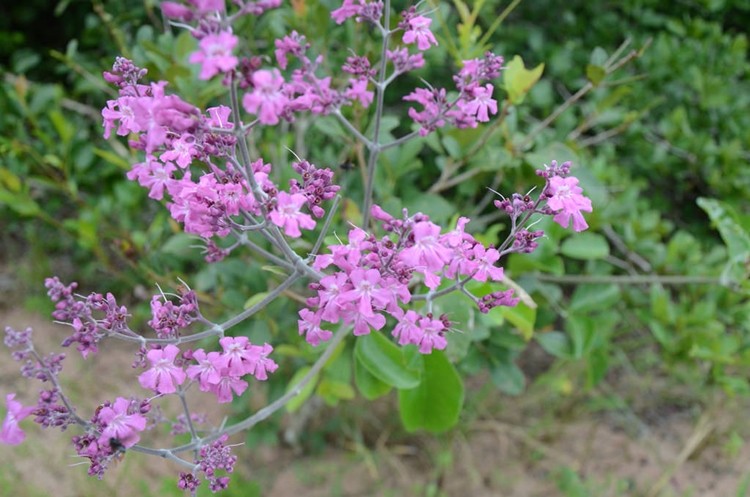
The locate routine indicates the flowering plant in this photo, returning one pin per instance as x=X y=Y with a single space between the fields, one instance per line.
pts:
x=383 y=279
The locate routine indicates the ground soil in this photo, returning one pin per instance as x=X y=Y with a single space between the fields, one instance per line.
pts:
x=521 y=449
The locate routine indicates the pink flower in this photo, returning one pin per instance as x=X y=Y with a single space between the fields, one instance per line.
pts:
x=209 y=6
x=566 y=198
x=287 y=214
x=366 y=292
x=227 y=384
x=206 y=372
x=427 y=251
x=238 y=355
x=435 y=106
x=482 y=104
x=219 y=117
x=181 y=150
x=120 y=425
x=432 y=333
x=358 y=91
x=174 y=10
x=419 y=32
x=329 y=294
x=348 y=9
x=164 y=374
x=309 y=326
x=266 y=100
x=486 y=259
x=407 y=330
x=261 y=364
x=293 y=43
x=215 y=54
x=11 y=433
x=152 y=174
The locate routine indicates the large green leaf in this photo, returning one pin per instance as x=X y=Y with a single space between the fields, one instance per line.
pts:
x=386 y=361
x=369 y=386
x=436 y=403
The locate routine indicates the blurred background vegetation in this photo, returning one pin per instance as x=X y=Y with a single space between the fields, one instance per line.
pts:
x=656 y=292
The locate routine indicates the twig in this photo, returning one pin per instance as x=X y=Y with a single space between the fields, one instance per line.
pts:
x=638 y=279
x=620 y=245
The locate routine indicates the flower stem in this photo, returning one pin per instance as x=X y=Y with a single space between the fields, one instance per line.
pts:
x=374 y=150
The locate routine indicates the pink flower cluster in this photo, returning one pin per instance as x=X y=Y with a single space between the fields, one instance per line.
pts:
x=169 y=318
x=113 y=428
x=48 y=411
x=374 y=278
x=81 y=313
x=272 y=97
x=473 y=105
x=564 y=197
x=417 y=29
x=205 y=11
x=360 y=10
x=218 y=373
x=214 y=457
x=174 y=135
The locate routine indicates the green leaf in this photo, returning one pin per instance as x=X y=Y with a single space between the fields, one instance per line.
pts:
x=595 y=74
x=436 y=403
x=368 y=385
x=582 y=331
x=555 y=343
x=731 y=229
x=112 y=158
x=333 y=390
x=508 y=378
x=587 y=298
x=585 y=246
x=661 y=305
x=330 y=127
x=180 y=245
x=522 y=317
x=386 y=361
x=10 y=180
x=597 y=367
x=20 y=202
x=254 y=299
x=519 y=80
x=304 y=393
x=275 y=270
